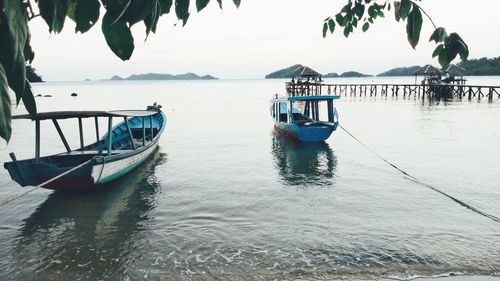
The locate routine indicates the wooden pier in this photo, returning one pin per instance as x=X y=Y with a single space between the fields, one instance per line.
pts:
x=437 y=91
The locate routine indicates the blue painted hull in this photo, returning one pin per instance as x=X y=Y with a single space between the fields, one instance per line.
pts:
x=30 y=172
x=303 y=133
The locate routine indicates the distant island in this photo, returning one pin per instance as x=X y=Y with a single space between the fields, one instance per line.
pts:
x=284 y=73
x=160 y=76
x=331 y=75
x=354 y=74
x=482 y=66
x=400 y=71
x=288 y=73
x=473 y=67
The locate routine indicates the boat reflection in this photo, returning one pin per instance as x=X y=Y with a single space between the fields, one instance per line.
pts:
x=303 y=164
x=82 y=233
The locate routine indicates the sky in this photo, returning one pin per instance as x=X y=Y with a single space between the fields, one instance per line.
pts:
x=260 y=37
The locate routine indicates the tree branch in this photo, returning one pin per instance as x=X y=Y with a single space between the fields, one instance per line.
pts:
x=425 y=13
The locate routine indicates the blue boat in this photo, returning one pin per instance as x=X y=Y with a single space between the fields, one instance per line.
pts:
x=124 y=147
x=300 y=117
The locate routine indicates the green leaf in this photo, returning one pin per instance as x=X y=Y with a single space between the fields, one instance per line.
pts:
x=71 y=9
x=29 y=55
x=54 y=13
x=347 y=30
x=365 y=26
x=454 y=46
x=136 y=11
x=443 y=58
x=165 y=6
x=182 y=10
x=5 y=113
x=359 y=10
x=397 y=6
x=372 y=12
x=439 y=35
x=331 y=25
x=438 y=50
x=152 y=20
x=414 y=26
x=463 y=49
x=220 y=4
x=405 y=8
x=237 y=3
x=86 y=14
x=325 y=29
x=118 y=36
x=29 y=99
x=340 y=19
x=13 y=37
x=201 y=4
x=354 y=22
x=347 y=7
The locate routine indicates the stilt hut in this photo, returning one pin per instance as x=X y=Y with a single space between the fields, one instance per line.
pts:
x=454 y=71
x=305 y=81
x=308 y=74
x=432 y=75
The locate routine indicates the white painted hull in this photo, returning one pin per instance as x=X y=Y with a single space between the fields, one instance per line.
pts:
x=106 y=172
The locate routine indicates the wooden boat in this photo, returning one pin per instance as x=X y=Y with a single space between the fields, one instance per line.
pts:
x=124 y=147
x=299 y=116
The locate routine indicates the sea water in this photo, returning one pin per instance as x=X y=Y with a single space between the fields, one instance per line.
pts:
x=224 y=197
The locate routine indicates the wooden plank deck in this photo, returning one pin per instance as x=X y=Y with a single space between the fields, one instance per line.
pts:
x=460 y=92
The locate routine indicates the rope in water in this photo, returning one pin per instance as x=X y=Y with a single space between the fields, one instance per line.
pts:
x=44 y=183
x=416 y=180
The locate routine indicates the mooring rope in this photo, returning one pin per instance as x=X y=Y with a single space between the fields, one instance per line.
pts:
x=44 y=183
x=416 y=180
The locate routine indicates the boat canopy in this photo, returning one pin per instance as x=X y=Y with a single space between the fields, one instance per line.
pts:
x=313 y=98
x=86 y=114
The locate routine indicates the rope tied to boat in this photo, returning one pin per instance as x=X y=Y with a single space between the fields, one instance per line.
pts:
x=416 y=180
x=45 y=183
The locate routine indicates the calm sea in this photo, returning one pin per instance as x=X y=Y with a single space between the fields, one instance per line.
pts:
x=225 y=198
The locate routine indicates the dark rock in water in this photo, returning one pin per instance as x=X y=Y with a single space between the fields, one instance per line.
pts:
x=39 y=95
x=47 y=96
x=74 y=94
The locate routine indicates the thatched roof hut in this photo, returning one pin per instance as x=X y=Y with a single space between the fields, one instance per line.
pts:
x=306 y=72
x=427 y=70
x=455 y=70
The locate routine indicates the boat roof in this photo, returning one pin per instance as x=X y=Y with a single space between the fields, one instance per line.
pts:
x=86 y=114
x=318 y=98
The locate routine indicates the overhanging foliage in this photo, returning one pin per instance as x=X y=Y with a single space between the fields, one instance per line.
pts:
x=120 y=15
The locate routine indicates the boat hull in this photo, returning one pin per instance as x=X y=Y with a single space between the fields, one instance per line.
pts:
x=107 y=172
x=306 y=133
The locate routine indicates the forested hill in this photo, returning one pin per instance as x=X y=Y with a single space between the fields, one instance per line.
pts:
x=400 y=71
x=284 y=73
x=160 y=76
x=482 y=66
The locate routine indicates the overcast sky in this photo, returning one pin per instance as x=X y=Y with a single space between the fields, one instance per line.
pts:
x=260 y=37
